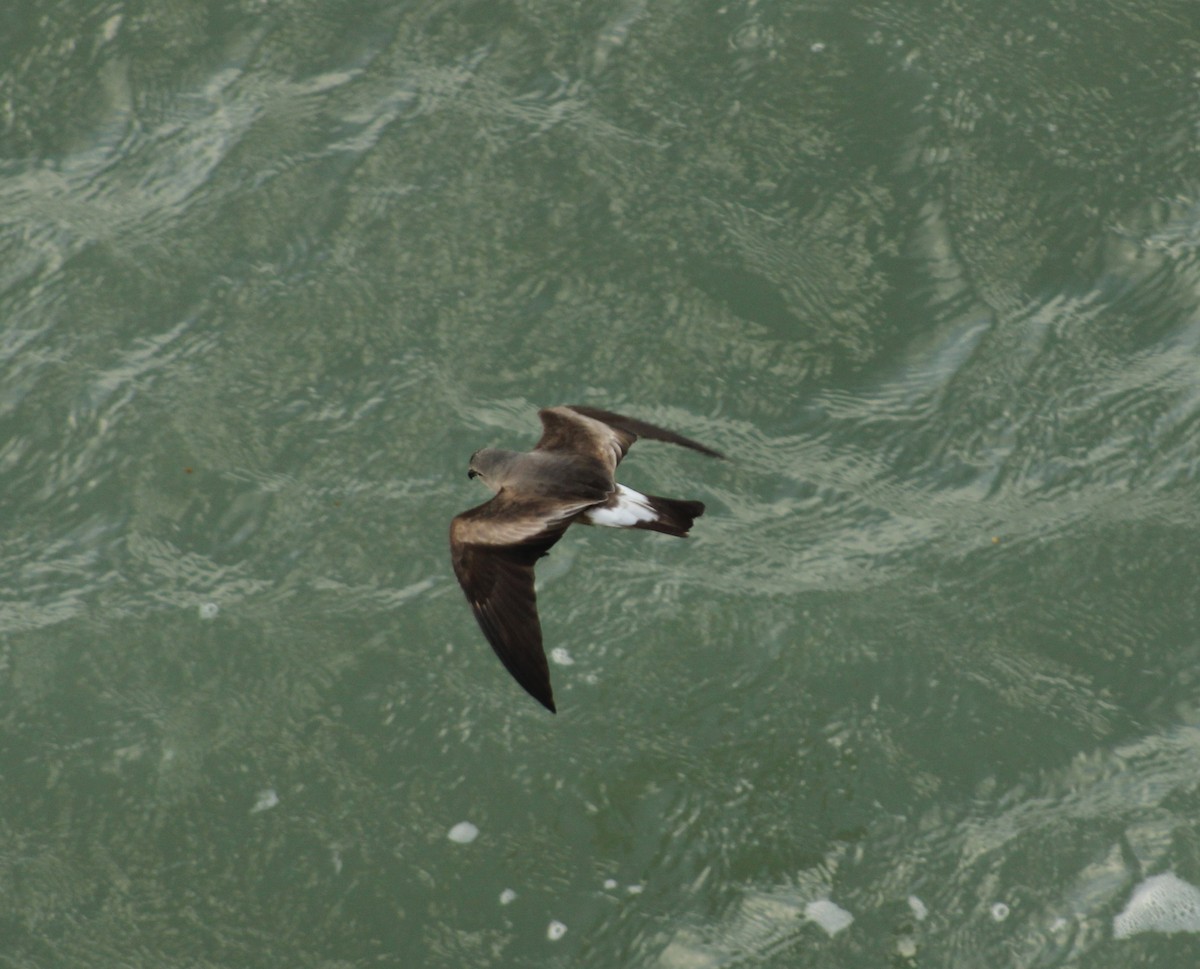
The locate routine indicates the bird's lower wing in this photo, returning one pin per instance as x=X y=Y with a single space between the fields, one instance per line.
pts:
x=499 y=585
x=494 y=548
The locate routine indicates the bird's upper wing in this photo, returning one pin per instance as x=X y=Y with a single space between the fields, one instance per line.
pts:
x=602 y=434
x=494 y=547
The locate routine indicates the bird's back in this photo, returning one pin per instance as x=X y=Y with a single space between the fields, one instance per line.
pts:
x=559 y=475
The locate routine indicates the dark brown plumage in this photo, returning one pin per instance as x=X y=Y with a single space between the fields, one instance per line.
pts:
x=567 y=477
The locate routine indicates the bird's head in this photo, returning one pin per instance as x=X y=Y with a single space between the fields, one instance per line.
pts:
x=489 y=465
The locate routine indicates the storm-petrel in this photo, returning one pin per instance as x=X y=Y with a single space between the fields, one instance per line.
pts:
x=567 y=477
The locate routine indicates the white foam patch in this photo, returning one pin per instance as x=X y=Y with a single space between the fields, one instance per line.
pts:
x=830 y=916
x=111 y=26
x=918 y=908
x=631 y=508
x=266 y=800
x=1164 y=903
x=463 y=833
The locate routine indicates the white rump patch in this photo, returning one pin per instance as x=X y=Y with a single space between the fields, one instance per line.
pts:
x=631 y=507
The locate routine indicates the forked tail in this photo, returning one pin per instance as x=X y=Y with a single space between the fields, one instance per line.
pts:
x=673 y=516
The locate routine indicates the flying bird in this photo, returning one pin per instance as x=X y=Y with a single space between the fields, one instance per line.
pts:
x=568 y=477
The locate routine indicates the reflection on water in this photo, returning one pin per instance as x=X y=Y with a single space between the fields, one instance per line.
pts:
x=921 y=688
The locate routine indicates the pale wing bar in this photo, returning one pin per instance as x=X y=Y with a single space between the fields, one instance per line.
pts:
x=632 y=426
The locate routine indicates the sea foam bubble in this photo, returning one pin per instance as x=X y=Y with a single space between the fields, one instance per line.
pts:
x=463 y=833
x=829 y=915
x=1164 y=903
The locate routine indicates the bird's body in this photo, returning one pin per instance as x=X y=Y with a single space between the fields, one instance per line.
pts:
x=569 y=476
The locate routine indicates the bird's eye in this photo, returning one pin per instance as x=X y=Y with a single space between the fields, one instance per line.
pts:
x=472 y=473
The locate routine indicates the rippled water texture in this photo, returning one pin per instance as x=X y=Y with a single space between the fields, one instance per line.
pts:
x=921 y=688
